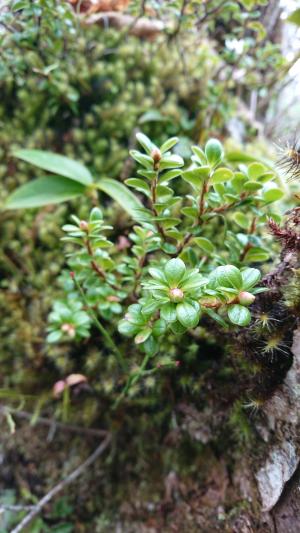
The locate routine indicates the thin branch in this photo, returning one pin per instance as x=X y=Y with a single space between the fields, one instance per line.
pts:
x=62 y=485
x=16 y=508
x=93 y=432
x=176 y=31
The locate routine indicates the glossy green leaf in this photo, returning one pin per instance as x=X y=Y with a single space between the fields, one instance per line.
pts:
x=252 y=186
x=168 y=312
x=199 y=155
x=174 y=271
x=204 y=244
x=127 y=328
x=159 y=327
x=191 y=212
x=241 y=219
x=170 y=161
x=255 y=170
x=143 y=335
x=221 y=175
x=187 y=315
x=144 y=160
x=145 y=142
x=272 y=193
x=168 y=144
x=44 y=191
x=251 y=277
x=256 y=254
x=56 y=163
x=196 y=176
x=226 y=276
x=169 y=175
x=239 y=315
x=138 y=184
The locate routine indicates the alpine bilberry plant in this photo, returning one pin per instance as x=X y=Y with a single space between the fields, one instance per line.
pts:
x=187 y=260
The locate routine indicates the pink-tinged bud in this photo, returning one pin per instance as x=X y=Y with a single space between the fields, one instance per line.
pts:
x=69 y=330
x=58 y=388
x=83 y=225
x=246 y=298
x=177 y=363
x=158 y=365
x=156 y=155
x=113 y=298
x=123 y=243
x=176 y=295
x=72 y=275
x=75 y=379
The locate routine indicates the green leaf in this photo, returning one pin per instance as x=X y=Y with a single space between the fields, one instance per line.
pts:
x=256 y=254
x=144 y=160
x=272 y=193
x=294 y=18
x=191 y=212
x=196 y=176
x=169 y=175
x=167 y=222
x=255 y=170
x=171 y=161
x=163 y=193
x=250 y=276
x=168 y=144
x=187 y=315
x=259 y=28
x=174 y=271
x=238 y=181
x=214 y=152
x=54 y=336
x=193 y=282
x=204 y=244
x=96 y=214
x=168 y=312
x=157 y=274
x=266 y=176
x=252 y=186
x=142 y=336
x=44 y=191
x=121 y=194
x=59 y=164
x=241 y=219
x=145 y=142
x=127 y=328
x=216 y=317
x=221 y=175
x=239 y=315
x=159 y=327
x=138 y=184
x=177 y=328
x=226 y=276
x=200 y=155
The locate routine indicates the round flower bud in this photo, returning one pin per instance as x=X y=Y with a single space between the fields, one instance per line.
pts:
x=246 y=298
x=176 y=295
x=84 y=225
x=69 y=330
x=156 y=156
